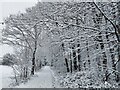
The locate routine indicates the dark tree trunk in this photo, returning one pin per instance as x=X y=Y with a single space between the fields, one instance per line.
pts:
x=105 y=66
x=79 y=57
x=71 y=66
x=26 y=74
x=70 y=63
x=34 y=52
x=33 y=64
x=40 y=64
x=74 y=58
x=33 y=59
x=66 y=61
x=88 y=60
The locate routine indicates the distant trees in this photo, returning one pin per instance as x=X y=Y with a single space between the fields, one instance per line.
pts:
x=8 y=59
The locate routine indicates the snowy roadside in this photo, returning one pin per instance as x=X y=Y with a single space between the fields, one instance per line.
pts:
x=6 y=73
x=0 y=77
x=45 y=78
x=55 y=79
x=42 y=79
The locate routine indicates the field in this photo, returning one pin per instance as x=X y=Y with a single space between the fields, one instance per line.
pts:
x=5 y=73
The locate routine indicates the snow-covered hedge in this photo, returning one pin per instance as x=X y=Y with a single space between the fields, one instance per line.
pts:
x=83 y=79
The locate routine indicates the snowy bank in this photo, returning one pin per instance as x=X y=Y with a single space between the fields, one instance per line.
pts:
x=83 y=79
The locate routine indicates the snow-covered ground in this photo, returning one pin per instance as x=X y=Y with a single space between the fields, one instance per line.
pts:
x=5 y=73
x=42 y=79
x=0 y=78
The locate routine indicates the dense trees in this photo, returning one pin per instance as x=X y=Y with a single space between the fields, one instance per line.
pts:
x=80 y=36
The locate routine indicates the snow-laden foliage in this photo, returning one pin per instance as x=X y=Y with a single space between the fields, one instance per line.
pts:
x=85 y=79
x=74 y=37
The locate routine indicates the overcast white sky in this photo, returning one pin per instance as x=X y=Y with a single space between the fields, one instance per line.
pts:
x=8 y=7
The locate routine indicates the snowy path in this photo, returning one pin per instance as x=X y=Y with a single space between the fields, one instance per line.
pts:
x=43 y=79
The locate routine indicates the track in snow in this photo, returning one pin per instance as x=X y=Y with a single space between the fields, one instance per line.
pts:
x=44 y=79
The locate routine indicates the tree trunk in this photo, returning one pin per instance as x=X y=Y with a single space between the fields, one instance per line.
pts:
x=33 y=59
x=66 y=61
x=74 y=58
x=40 y=64
x=71 y=66
x=33 y=64
x=26 y=73
x=79 y=57
x=88 y=60
x=118 y=65
x=70 y=63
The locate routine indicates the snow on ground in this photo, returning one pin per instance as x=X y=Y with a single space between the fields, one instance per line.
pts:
x=0 y=78
x=5 y=73
x=42 y=79
x=45 y=78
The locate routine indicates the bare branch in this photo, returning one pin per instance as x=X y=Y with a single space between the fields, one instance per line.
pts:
x=116 y=29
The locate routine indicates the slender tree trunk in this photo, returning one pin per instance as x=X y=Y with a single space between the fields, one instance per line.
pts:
x=33 y=59
x=33 y=64
x=88 y=60
x=26 y=73
x=71 y=66
x=79 y=57
x=74 y=58
x=40 y=63
x=15 y=74
x=66 y=61
x=70 y=63
x=35 y=49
